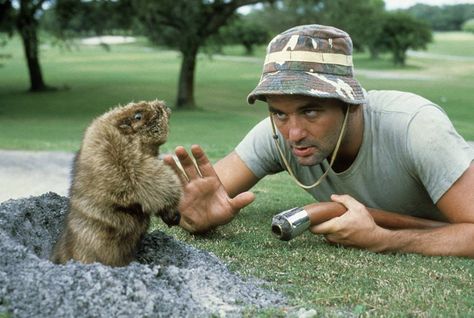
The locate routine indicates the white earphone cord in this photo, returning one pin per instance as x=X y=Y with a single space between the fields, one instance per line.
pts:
x=333 y=157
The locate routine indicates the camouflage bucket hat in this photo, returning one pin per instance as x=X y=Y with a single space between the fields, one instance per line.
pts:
x=313 y=60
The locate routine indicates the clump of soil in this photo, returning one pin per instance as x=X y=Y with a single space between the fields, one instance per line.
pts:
x=169 y=278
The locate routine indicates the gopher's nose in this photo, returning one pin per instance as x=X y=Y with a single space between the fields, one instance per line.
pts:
x=171 y=218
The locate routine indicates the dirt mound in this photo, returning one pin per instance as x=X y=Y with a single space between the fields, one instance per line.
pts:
x=169 y=279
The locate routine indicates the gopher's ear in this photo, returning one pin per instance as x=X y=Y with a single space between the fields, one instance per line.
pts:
x=125 y=126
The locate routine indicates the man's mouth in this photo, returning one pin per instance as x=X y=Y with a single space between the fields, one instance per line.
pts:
x=302 y=151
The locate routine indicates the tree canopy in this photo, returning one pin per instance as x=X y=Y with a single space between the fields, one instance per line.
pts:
x=443 y=18
x=189 y=25
x=246 y=30
x=95 y=17
x=343 y=14
x=185 y=25
x=400 y=32
x=468 y=26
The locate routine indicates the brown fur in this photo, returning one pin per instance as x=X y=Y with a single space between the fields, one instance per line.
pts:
x=118 y=182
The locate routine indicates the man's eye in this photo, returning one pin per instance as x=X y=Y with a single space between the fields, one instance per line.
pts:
x=279 y=116
x=311 y=113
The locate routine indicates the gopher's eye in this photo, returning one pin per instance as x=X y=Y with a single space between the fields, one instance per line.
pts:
x=138 y=116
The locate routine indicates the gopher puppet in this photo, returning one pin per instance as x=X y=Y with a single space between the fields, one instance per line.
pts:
x=118 y=182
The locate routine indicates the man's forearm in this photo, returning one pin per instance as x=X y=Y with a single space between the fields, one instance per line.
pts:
x=322 y=211
x=449 y=240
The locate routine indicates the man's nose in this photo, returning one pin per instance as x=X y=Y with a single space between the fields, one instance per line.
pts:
x=296 y=130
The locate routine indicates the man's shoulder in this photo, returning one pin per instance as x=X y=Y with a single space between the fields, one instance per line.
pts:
x=393 y=114
x=397 y=101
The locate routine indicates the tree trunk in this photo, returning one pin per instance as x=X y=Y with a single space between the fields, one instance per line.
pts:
x=248 y=49
x=28 y=31
x=374 y=52
x=399 y=57
x=185 y=99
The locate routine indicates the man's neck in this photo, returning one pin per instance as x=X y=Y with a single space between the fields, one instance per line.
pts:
x=351 y=141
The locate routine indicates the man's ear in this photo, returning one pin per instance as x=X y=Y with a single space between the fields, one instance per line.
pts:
x=353 y=108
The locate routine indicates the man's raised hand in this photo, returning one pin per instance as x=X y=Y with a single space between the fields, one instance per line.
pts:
x=205 y=203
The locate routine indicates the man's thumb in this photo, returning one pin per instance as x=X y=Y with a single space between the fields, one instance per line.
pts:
x=242 y=200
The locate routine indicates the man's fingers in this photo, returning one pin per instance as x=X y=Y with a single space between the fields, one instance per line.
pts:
x=349 y=202
x=242 y=200
x=327 y=227
x=205 y=166
x=171 y=162
x=196 y=166
x=187 y=163
x=187 y=225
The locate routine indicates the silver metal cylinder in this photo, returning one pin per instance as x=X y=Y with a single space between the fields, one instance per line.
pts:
x=290 y=223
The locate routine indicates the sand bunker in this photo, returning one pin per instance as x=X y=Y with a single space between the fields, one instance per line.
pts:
x=108 y=39
x=170 y=278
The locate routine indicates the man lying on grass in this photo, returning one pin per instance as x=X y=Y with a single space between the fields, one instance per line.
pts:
x=385 y=150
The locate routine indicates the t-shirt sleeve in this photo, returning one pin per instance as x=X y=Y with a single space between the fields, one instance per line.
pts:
x=257 y=150
x=439 y=155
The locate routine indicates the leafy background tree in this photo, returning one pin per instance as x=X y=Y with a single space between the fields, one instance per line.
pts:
x=23 y=17
x=400 y=32
x=77 y=18
x=185 y=25
x=7 y=19
x=191 y=26
x=343 y=14
x=468 y=26
x=444 y=18
x=361 y=18
x=73 y=18
x=6 y=25
x=246 y=30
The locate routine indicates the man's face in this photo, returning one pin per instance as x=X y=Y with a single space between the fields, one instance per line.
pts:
x=311 y=126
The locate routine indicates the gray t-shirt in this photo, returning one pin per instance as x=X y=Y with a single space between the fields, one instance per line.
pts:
x=410 y=156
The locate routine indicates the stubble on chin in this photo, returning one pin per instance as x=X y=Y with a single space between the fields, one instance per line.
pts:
x=309 y=161
x=315 y=159
x=320 y=153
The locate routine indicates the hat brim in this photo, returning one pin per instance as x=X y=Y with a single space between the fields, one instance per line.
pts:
x=319 y=85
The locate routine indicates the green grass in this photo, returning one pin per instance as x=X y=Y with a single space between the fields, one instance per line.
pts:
x=336 y=281
x=453 y=43
x=92 y=80
x=332 y=280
